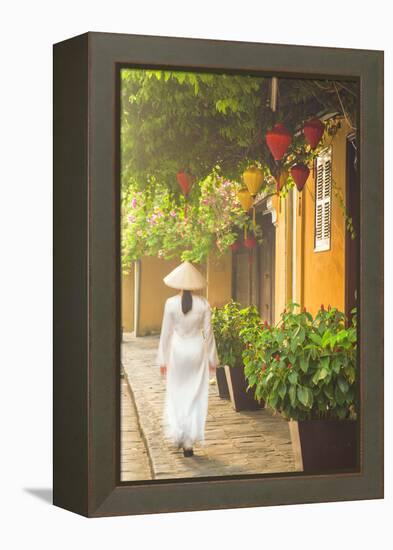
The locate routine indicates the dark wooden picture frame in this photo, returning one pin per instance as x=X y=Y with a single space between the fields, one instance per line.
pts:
x=87 y=274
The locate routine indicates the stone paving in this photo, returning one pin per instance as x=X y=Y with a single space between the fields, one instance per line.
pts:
x=135 y=464
x=237 y=443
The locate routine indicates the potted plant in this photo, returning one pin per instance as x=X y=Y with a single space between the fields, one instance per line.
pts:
x=305 y=368
x=218 y=324
x=227 y=324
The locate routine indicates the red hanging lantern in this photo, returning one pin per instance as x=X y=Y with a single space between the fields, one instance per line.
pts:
x=313 y=131
x=185 y=182
x=300 y=173
x=278 y=140
x=281 y=180
x=235 y=246
x=250 y=242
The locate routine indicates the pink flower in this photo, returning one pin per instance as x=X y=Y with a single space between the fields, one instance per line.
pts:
x=133 y=203
x=131 y=218
x=152 y=220
x=173 y=213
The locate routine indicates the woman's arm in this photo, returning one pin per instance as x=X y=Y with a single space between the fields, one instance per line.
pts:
x=210 y=340
x=165 y=340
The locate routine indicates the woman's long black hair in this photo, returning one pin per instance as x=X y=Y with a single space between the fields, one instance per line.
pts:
x=186 y=301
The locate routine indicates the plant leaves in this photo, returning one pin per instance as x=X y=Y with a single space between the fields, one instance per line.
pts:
x=342 y=384
x=304 y=363
x=292 y=395
x=303 y=396
x=315 y=338
x=282 y=390
x=293 y=377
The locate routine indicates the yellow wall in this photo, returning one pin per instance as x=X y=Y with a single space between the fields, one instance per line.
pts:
x=127 y=301
x=153 y=292
x=282 y=277
x=219 y=279
x=311 y=278
x=323 y=273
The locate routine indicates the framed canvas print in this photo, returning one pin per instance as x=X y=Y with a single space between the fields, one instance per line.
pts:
x=218 y=274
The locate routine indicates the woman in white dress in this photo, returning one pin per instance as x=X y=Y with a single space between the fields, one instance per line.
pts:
x=186 y=354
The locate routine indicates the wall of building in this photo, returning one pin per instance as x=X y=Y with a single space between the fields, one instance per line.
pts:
x=127 y=301
x=282 y=265
x=302 y=275
x=323 y=273
x=219 y=277
x=153 y=292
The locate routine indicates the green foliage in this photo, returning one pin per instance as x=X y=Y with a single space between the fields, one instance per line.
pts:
x=304 y=367
x=175 y=121
x=178 y=120
x=212 y=126
x=227 y=323
x=157 y=222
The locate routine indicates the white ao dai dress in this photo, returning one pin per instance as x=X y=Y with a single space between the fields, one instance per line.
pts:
x=186 y=348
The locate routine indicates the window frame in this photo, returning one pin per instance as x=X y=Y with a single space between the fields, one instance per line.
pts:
x=323 y=244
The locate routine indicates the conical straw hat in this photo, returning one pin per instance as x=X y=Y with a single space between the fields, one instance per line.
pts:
x=185 y=277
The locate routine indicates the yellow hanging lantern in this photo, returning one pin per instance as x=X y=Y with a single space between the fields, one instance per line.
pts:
x=253 y=178
x=245 y=199
x=282 y=179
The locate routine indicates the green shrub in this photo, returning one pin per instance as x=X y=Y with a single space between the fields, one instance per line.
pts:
x=304 y=367
x=227 y=323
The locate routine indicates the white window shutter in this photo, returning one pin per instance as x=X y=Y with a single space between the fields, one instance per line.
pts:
x=323 y=201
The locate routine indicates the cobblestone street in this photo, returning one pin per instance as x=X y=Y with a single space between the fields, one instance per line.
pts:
x=236 y=442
